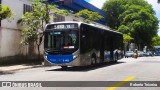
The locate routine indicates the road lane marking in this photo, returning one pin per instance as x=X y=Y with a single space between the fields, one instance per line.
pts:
x=121 y=83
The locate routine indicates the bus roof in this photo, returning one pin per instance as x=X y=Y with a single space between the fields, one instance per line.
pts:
x=93 y=25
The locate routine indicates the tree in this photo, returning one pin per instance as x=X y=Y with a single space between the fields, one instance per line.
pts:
x=136 y=16
x=143 y=25
x=5 y=12
x=35 y=20
x=156 y=40
x=88 y=15
x=114 y=8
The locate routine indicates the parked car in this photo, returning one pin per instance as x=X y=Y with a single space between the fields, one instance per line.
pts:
x=157 y=53
x=148 y=53
x=141 y=54
x=129 y=54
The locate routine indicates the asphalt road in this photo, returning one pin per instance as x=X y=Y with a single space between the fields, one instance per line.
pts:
x=127 y=69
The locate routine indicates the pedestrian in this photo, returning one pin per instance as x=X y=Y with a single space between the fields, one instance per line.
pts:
x=116 y=54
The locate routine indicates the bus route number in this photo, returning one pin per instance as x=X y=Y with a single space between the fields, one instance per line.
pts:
x=68 y=26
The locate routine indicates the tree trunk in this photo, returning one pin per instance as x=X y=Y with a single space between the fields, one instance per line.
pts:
x=31 y=48
x=38 y=42
x=39 y=54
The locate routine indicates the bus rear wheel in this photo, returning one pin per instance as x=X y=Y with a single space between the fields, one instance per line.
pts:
x=115 y=61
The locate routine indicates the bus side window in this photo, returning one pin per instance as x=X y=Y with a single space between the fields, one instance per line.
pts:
x=85 y=39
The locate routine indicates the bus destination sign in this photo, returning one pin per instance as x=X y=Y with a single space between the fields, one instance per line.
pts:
x=62 y=26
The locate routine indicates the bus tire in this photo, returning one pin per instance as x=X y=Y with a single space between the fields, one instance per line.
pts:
x=63 y=67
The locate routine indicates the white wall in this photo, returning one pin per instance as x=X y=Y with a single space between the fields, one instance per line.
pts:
x=10 y=34
x=10 y=43
x=17 y=7
x=0 y=41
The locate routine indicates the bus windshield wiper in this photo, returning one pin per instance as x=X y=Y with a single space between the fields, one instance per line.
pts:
x=52 y=50
x=49 y=49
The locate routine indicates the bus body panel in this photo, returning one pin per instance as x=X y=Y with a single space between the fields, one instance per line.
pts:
x=60 y=59
x=75 y=62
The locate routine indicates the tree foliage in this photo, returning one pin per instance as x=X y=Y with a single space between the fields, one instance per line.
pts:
x=88 y=15
x=136 y=17
x=35 y=20
x=5 y=12
x=127 y=38
x=156 y=40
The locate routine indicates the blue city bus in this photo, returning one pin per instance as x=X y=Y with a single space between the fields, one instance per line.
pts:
x=80 y=44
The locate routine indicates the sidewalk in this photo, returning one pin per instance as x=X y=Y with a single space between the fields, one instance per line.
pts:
x=18 y=67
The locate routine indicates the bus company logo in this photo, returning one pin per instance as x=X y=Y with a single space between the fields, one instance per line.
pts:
x=6 y=84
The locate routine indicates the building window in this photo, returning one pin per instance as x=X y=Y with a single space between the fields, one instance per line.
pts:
x=62 y=2
x=58 y=18
x=68 y=1
x=26 y=8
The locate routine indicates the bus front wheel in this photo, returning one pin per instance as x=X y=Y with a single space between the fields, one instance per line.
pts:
x=63 y=67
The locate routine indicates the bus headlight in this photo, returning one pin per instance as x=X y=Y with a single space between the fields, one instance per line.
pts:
x=75 y=56
x=45 y=56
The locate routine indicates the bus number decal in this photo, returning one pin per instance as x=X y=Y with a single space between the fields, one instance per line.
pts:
x=68 y=26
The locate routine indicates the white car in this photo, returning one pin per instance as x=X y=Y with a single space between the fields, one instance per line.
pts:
x=141 y=54
x=129 y=54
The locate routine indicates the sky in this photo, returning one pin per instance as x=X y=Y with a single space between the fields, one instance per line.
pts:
x=155 y=5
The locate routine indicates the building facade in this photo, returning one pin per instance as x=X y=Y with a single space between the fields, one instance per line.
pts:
x=10 y=32
x=77 y=5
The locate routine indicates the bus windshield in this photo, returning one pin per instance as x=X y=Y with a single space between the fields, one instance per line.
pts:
x=62 y=41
